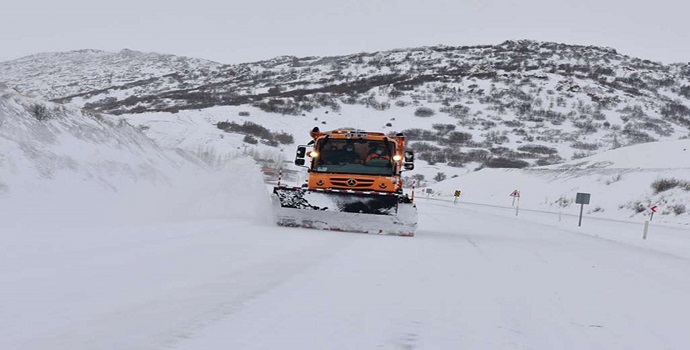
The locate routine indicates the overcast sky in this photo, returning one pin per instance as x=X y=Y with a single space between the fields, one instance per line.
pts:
x=249 y=30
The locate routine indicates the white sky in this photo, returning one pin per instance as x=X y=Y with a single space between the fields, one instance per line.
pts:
x=234 y=32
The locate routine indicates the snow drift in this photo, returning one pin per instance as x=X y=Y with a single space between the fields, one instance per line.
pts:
x=65 y=167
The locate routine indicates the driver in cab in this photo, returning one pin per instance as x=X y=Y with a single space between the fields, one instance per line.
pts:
x=378 y=152
x=348 y=154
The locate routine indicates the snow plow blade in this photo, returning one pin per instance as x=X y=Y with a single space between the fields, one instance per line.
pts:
x=344 y=210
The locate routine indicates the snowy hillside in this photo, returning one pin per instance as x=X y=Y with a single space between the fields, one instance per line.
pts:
x=517 y=104
x=653 y=155
x=61 y=166
x=624 y=184
x=54 y=75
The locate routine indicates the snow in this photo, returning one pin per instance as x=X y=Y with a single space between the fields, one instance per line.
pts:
x=617 y=180
x=471 y=278
x=654 y=155
x=475 y=285
x=111 y=240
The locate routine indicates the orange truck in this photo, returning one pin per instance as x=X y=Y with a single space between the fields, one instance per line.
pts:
x=354 y=184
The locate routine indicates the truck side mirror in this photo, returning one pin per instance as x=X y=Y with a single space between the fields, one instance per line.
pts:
x=408 y=156
x=301 y=151
x=299 y=156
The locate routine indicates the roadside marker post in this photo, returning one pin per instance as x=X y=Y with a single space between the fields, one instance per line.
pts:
x=653 y=209
x=516 y=196
x=457 y=195
x=517 y=207
x=582 y=199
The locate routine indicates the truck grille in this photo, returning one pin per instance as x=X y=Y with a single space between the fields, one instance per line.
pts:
x=347 y=182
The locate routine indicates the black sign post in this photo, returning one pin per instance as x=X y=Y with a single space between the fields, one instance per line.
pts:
x=582 y=199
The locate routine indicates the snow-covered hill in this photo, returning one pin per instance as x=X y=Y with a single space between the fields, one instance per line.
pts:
x=61 y=166
x=516 y=104
x=653 y=155
x=624 y=184
x=53 y=75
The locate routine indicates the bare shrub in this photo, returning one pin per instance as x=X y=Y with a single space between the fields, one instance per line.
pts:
x=662 y=185
x=501 y=162
x=477 y=155
x=685 y=91
x=585 y=126
x=246 y=128
x=272 y=143
x=580 y=155
x=563 y=201
x=420 y=135
x=457 y=138
x=616 y=178
x=638 y=206
x=538 y=149
x=39 y=111
x=676 y=112
x=423 y=147
x=548 y=161
x=424 y=112
x=585 y=146
x=457 y=111
x=443 y=129
x=417 y=179
x=250 y=139
x=284 y=138
x=636 y=136
x=283 y=106
x=678 y=209
x=496 y=137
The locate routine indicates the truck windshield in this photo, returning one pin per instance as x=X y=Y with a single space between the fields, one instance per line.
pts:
x=354 y=157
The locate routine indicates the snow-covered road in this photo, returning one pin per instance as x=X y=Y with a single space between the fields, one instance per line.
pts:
x=473 y=277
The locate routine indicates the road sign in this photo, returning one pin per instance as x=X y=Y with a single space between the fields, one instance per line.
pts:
x=457 y=195
x=582 y=198
x=653 y=208
x=516 y=195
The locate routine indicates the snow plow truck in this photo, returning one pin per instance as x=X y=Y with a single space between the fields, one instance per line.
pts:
x=354 y=184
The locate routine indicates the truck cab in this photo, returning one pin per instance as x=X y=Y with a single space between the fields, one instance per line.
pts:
x=356 y=160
